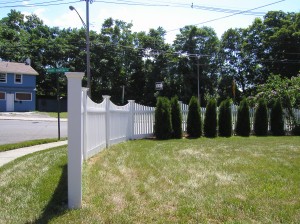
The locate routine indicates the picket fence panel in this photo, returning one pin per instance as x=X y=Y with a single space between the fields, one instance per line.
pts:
x=106 y=124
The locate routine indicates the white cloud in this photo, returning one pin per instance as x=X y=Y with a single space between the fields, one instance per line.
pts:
x=68 y=19
x=25 y=3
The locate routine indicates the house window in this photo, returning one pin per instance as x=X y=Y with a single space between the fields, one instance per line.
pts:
x=18 y=79
x=24 y=96
x=2 y=95
x=2 y=77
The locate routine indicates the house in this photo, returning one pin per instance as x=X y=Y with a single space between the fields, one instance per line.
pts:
x=17 y=87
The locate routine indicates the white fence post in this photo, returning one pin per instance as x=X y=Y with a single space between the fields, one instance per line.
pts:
x=75 y=143
x=107 y=119
x=131 y=120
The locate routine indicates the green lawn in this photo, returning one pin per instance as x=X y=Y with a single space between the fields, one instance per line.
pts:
x=55 y=115
x=231 y=180
x=12 y=146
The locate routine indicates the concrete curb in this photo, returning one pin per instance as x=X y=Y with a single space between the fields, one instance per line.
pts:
x=8 y=156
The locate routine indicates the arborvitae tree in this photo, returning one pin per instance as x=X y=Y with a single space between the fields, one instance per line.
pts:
x=194 y=124
x=163 y=125
x=210 y=120
x=176 y=118
x=277 y=125
x=225 y=119
x=261 y=119
x=243 y=119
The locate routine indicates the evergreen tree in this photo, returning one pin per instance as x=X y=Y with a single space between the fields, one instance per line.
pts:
x=194 y=124
x=210 y=120
x=163 y=125
x=243 y=119
x=225 y=119
x=261 y=119
x=277 y=125
x=176 y=118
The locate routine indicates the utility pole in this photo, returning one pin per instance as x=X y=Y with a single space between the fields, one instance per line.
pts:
x=88 y=57
x=198 y=58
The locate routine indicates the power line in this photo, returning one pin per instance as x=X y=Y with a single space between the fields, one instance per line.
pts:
x=173 y=4
x=237 y=13
x=49 y=3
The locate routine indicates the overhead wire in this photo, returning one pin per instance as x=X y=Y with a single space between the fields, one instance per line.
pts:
x=173 y=4
x=48 y=3
x=223 y=17
x=133 y=3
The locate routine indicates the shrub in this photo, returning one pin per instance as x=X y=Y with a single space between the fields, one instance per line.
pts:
x=225 y=119
x=243 y=119
x=163 y=125
x=277 y=125
x=296 y=130
x=194 y=124
x=210 y=120
x=176 y=118
x=261 y=118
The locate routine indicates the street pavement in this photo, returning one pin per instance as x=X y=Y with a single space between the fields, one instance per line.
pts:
x=8 y=156
x=18 y=127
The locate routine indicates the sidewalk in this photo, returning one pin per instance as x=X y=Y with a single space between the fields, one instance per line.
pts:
x=8 y=156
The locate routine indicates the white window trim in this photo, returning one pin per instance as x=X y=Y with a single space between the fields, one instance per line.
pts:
x=21 y=79
x=5 y=77
x=23 y=93
x=4 y=95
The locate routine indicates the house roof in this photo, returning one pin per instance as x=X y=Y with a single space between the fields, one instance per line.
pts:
x=17 y=68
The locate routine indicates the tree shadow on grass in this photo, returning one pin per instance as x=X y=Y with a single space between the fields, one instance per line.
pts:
x=58 y=204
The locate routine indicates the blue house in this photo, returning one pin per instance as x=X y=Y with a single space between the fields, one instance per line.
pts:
x=17 y=87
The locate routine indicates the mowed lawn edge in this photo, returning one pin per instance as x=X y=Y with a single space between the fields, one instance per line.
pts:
x=202 y=180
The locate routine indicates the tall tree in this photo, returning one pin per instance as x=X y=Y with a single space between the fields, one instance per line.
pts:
x=200 y=46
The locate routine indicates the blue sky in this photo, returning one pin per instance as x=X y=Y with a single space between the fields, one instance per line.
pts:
x=169 y=14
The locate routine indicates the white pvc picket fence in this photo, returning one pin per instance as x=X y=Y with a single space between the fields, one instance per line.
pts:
x=93 y=127
x=106 y=124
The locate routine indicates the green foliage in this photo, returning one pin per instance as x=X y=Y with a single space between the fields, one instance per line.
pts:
x=261 y=119
x=296 y=130
x=194 y=123
x=163 y=125
x=225 y=119
x=285 y=89
x=276 y=119
x=176 y=118
x=288 y=90
x=243 y=119
x=210 y=120
x=241 y=52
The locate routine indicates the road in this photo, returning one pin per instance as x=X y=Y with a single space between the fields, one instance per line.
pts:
x=12 y=131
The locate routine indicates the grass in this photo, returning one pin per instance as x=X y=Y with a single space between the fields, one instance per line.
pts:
x=222 y=180
x=12 y=146
x=55 y=115
x=34 y=188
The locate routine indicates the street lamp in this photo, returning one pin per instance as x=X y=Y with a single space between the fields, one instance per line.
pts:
x=88 y=59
